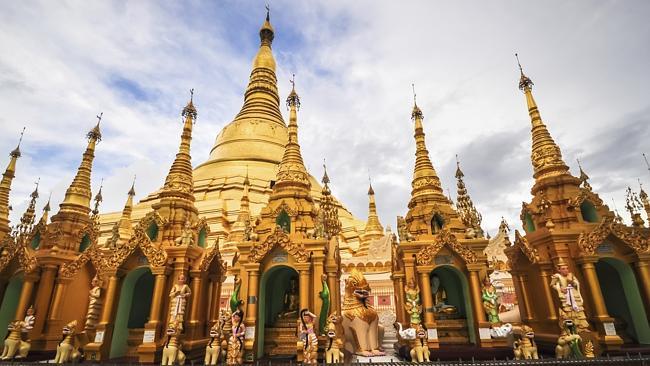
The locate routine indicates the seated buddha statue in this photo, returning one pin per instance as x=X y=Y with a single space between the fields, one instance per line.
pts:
x=440 y=297
x=290 y=302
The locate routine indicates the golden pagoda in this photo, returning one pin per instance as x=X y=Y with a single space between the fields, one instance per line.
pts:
x=567 y=225
x=441 y=250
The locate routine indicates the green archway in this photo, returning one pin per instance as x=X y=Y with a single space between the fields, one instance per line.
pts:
x=132 y=309
x=456 y=287
x=623 y=299
x=10 y=302
x=273 y=285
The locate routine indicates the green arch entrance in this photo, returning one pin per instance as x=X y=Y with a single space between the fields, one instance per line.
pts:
x=10 y=301
x=132 y=309
x=274 y=284
x=456 y=293
x=623 y=299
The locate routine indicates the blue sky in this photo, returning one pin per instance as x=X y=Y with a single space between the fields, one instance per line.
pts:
x=65 y=62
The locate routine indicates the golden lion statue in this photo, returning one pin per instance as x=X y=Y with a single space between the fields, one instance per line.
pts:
x=333 y=350
x=171 y=352
x=14 y=343
x=213 y=349
x=360 y=321
x=525 y=347
x=68 y=349
x=420 y=350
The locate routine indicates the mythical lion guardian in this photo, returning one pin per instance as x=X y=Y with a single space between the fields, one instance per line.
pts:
x=360 y=320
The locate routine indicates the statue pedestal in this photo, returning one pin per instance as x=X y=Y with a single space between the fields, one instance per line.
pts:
x=280 y=338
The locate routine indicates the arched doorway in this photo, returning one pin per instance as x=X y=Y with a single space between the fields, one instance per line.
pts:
x=132 y=309
x=451 y=299
x=275 y=285
x=10 y=302
x=623 y=300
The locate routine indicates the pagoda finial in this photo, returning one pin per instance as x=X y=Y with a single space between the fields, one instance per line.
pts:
x=326 y=179
x=179 y=181
x=5 y=188
x=293 y=100
x=416 y=114
x=469 y=215
x=98 y=198
x=292 y=168
x=16 y=152
x=27 y=220
x=374 y=229
x=546 y=156
x=266 y=32
x=78 y=195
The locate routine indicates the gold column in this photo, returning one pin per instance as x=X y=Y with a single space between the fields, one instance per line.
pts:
x=25 y=295
x=589 y=272
x=252 y=299
x=398 y=294
x=158 y=295
x=409 y=268
x=215 y=282
x=643 y=270
x=59 y=293
x=109 y=300
x=303 y=286
x=477 y=302
x=427 y=296
x=521 y=280
x=44 y=296
x=548 y=297
x=196 y=296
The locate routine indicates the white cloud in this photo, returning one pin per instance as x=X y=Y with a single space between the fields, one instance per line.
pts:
x=62 y=63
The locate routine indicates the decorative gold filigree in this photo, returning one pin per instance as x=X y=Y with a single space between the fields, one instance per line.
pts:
x=153 y=217
x=9 y=248
x=92 y=254
x=211 y=256
x=584 y=194
x=157 y=257
x=283 y=206
x=281 y=239
x=445 y=237
x=525 y=247
x=632 y=237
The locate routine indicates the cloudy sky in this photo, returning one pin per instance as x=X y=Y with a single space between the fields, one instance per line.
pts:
x=64 y=62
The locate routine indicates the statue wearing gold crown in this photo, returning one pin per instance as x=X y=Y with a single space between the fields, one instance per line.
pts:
x=567 y=287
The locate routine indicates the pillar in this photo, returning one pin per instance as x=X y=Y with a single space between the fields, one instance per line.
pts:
x=59 y=293
x=44 y=296
x=548 y=297
x=253 y=270
x=643 y=270
x=109 y=301
x=409 y=268
x=427 y=296
x=196 y=296
x=303 y=286
x=398 y=294
x=334 y=283
x=520 y=279
x=157 y=300
x=215 y=285
x=597 y=300
x=25 y=295
x=477 y=301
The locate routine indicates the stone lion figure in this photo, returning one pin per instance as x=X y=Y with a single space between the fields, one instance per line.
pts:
x=360 y=320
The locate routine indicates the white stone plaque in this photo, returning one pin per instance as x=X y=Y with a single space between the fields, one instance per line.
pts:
x=250 y=333
x=149 y=336
x=484 y=333
x=99 y=336
x=432 y=333
x=610 y=330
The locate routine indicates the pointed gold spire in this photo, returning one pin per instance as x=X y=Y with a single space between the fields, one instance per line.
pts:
x=27 y=220
x=374 y=229
x=46 y=211
x=292 y=171
x=331 y=222
x=179 y=181
x=98 y=199
x=78 y=195
x=469 y=215
x=5 y=188
x=128 y=206
x=425 y=179
x=546 y=155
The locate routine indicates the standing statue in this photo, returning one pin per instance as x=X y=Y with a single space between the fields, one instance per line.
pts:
x=489 y=296
x=325 y=307
x=235 y=355
x=291 y=301
x=28 y=324
x=178 y=299
x=308 y=337
x=412 y=304
x=568 y=291
x=94 y=303
x=334 y=348
x=187 y=235
x=13 y=342
x=360 y=320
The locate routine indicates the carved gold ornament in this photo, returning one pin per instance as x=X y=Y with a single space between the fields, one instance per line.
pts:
x=157 y=257
x=445 y=237
x=281 y=239
x=632 y=237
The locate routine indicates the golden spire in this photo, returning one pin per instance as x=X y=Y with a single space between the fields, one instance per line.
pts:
x=425 y=179
x=469 y=215
x=128 y=206
x=374 y=229
x=244 y=204
x=46 y=211
x=77 y=196
x=179 y=181
x=292 y=169
x=27 y=220
x=98 y=199
x=5 y=188
x=546 y=155
x=331 y=222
